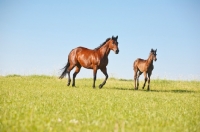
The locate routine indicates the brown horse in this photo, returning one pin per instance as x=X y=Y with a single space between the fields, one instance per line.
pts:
x=145 y=66
x=90 y=59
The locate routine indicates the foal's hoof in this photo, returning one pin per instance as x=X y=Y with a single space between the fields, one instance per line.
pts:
x=136 y=88
x=100 y=86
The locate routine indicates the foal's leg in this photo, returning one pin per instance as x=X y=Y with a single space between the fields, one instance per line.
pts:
x=145 y=79
x=104 y=70
x=135 y=78
x=94 y=75
x=138 y=75
x=77 y=70
x=149 y=75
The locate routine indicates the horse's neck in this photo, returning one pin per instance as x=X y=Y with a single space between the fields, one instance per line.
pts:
x=150 y=60
x=104 y=50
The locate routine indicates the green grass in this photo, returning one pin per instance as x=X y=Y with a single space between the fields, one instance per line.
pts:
x=43 y=103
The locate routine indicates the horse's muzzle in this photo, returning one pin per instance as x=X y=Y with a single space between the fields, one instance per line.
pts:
x=116 y=51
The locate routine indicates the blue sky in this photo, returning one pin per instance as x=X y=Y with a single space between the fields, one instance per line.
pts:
x=36 y=36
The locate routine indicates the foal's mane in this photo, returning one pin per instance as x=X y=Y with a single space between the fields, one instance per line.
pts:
x=102 y=44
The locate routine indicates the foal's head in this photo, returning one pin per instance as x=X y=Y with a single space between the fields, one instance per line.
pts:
x=113 y=44
x=153 y=54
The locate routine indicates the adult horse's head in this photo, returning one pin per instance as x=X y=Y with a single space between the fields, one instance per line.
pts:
x=153 y=54
x=113 y=45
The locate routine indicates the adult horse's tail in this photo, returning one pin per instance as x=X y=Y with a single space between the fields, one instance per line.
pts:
x=65 y=70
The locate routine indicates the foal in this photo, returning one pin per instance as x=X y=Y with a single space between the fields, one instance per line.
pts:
x=145 y=66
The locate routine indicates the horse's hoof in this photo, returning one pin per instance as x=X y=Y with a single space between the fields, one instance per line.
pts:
x=100 y=86
x=136 y=88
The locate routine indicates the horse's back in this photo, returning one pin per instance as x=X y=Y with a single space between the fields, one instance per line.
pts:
x=83 y=56
x=138 y=60
x=142 y=65
x=139 y=63
x=80 y=51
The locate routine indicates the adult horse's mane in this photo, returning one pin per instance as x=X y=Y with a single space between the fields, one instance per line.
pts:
x=102 y=44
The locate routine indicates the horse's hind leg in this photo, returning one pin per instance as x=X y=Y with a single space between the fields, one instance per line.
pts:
x=77 y=70
x=138 y=75
x=104 y=70
x=69 y=79
x=94 y=76
x=135 y=78
x=68 y=72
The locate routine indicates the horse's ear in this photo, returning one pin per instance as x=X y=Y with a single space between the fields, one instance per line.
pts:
x=113 y=37
x=116 y=37
x=152 y=50
x=156 y=50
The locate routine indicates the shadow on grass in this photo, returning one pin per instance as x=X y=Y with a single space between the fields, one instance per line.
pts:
x=169 y=91
x=174 y=91
x=123 y=88
x=128 y=89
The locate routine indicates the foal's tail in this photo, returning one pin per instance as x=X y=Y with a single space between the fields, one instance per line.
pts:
x=65 y=70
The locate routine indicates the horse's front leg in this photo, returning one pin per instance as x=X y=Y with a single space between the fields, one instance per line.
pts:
x=94 y=76
x=145 y=79
x=149 y=75
x=104 y=70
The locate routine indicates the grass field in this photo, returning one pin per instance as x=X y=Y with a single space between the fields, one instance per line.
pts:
x=43 y=103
